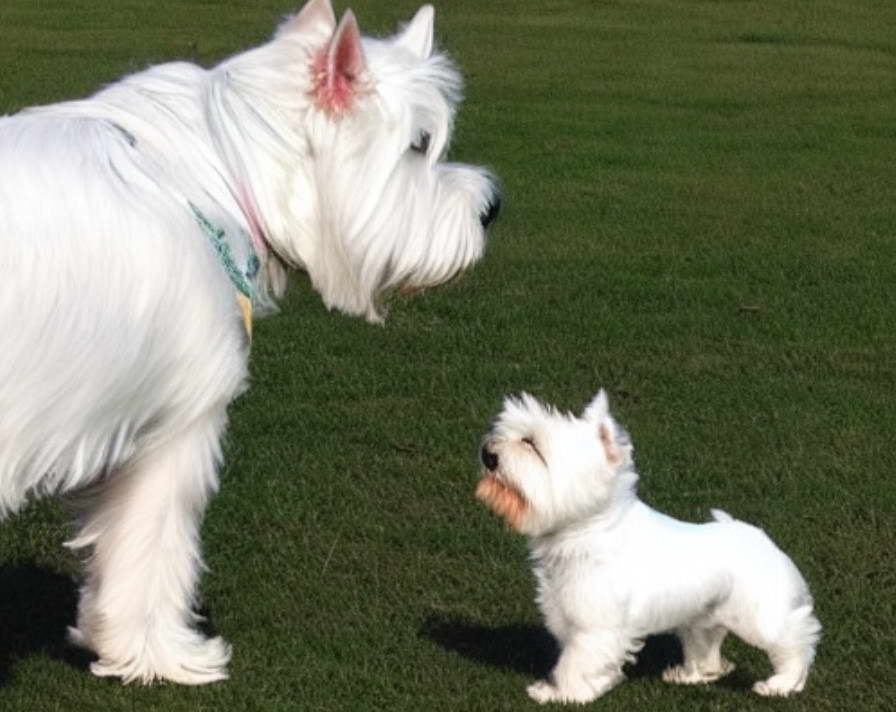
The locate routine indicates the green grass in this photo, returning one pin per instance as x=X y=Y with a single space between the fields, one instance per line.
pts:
x=699 y=216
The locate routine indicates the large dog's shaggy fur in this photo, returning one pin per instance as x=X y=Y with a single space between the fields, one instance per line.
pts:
x=135 y=228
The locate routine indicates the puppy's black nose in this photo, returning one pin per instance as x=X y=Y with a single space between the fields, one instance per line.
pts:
x=489 y=459
x=491 y=212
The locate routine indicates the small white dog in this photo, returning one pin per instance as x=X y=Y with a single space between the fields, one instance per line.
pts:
x=610 y=570
x=140 y=227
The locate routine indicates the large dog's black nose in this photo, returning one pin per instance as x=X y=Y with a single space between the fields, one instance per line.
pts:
x=489 y=459
x=491 y=212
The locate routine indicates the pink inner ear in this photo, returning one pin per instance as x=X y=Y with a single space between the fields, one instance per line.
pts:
x=606 y=439
x=338 y=67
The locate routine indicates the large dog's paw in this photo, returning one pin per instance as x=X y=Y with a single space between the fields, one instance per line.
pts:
x=195 y=662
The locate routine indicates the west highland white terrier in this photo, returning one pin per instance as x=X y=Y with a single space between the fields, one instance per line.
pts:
x=610 y=570
x=141 y=227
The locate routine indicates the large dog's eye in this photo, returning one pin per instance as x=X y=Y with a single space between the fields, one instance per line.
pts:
x=421 y=145
x=531 y=443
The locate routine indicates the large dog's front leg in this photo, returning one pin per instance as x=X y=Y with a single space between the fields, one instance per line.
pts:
x=137 y=604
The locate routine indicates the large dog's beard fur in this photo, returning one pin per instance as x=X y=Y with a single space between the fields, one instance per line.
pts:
x=126 y=343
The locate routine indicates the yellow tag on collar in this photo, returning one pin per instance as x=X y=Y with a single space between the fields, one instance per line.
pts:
x=246 y=308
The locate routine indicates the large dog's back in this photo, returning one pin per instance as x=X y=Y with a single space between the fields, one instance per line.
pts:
x=101 y=299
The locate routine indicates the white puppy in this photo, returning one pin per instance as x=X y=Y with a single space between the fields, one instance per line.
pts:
x=610 y=570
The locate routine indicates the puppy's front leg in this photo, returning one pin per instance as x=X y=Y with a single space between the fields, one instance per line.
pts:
x=586 y=670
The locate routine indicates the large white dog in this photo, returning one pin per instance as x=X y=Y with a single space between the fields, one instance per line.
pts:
x=139 y=229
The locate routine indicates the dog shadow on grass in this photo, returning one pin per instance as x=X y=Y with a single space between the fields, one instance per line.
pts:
x=530 y=650
x=36 y=607
x=526 y=649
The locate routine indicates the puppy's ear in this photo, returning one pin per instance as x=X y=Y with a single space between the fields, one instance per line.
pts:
x=598 y=408
x=339 y=67
x=613 y=438
x=606 y=432
x=317 y=14
x=417 y=36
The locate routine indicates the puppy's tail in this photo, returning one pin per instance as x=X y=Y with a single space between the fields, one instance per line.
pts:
x=721 y=516
x=808 y=628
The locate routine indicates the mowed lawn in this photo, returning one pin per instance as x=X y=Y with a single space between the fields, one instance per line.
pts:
x=700 y=216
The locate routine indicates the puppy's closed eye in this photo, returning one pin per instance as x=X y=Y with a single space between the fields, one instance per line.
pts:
x=530 y=443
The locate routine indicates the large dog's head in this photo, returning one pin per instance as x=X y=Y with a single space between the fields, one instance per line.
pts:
x=337 y=143
x=545 y=470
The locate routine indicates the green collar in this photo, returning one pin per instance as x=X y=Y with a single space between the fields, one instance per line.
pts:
x=241 y=278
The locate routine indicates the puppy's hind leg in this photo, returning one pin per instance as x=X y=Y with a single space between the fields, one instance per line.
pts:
x=791 y=654
x=703 y=661
x=136 y=609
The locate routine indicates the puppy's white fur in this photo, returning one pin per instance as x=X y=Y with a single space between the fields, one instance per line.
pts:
x=610 y=570
x=123 y=339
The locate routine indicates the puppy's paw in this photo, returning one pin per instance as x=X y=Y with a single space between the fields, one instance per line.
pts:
x=677 y=674
x=727 y=667
x=777 y=686
x=693 y=675
x=542 y=691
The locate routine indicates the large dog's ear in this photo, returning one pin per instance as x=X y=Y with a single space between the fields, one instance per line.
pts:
x=317 y=15
x=340 y=66
x=417 y=36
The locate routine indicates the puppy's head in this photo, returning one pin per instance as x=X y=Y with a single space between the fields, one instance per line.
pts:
x=544 y=470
